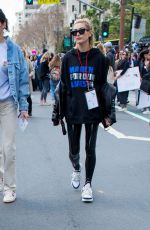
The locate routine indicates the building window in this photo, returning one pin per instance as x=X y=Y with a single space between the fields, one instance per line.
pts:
x=73 y=8
x=84 y=7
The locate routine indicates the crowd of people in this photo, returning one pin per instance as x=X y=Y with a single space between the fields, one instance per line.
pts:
x=123 y=60
x=82 y=85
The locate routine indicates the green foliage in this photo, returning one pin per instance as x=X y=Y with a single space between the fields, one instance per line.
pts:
x=113 y=16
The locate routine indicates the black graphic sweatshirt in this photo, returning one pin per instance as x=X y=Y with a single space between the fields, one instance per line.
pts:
x=74 y=74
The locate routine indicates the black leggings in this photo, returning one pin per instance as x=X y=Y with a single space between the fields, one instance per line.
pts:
x=123 y=97
x=74 y=134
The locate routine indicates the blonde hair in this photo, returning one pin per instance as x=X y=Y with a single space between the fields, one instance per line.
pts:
x=56 y=61
x=88 y=26
x=101 y=47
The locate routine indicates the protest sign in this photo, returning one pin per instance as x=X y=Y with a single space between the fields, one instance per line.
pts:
x=144 y=100
x=130 y=80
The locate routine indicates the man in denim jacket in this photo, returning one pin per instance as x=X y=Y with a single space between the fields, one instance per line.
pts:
x=14 y=90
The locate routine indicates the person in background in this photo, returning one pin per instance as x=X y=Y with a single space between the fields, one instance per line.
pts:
x=110 y=74
x=123 y=64
x=45 y=77
x=38 y=68
x=54 y=66
x=110 y=53
x=83 y=74
x=14 y=90
x=133 y=61
x=30 y=76
x=146 y=72
x=101 y=47
x=142 y=56
x=33 y=59
x=118 y=58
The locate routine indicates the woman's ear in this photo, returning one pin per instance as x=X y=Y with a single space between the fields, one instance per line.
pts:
x=90 y=35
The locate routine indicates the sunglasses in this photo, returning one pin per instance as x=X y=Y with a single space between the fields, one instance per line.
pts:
x=80 y=31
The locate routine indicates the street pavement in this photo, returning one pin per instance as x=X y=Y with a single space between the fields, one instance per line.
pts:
x=121 y=182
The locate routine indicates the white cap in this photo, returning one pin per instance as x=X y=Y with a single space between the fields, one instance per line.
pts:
x=108 y=44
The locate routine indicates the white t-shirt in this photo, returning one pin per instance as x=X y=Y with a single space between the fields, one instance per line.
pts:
x=4 y=80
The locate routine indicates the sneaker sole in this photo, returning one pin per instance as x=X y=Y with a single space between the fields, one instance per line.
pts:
x=74 y=186
x=10 y=201
x=87 y=200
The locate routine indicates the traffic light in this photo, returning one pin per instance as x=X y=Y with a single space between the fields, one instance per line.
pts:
x=29 y=2
x=105 y=29
x=137 y=21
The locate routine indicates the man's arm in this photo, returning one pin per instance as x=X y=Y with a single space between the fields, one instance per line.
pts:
x=23 y=85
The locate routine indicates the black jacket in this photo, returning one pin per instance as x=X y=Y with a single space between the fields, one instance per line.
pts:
x=44 y=70
x=109 y=94
x=70 y=93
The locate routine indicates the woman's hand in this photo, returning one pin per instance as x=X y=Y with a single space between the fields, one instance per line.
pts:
x=107 y=121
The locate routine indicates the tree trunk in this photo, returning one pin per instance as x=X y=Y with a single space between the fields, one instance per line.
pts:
x=122 y=20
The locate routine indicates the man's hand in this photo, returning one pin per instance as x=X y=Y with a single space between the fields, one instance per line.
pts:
x=24 y=115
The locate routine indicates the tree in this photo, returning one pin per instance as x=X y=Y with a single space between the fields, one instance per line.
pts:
x=42 y=30
x=95 y=16
x=112 y=14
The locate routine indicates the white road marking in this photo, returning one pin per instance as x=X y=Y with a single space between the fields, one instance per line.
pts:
x=135 y=115
x=100 y=191
x=120 y=135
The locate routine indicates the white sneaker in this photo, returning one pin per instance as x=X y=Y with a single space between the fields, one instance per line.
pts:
x=125 y=109
x=122 y=109
x=75 y=179
x=146 y=112
x=87 y=195
x=9 y=196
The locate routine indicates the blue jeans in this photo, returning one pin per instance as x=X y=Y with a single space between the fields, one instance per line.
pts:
x=53 y=85
x=45 y=83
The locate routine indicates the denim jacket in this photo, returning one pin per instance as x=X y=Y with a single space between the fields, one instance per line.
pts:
x=17 y=74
